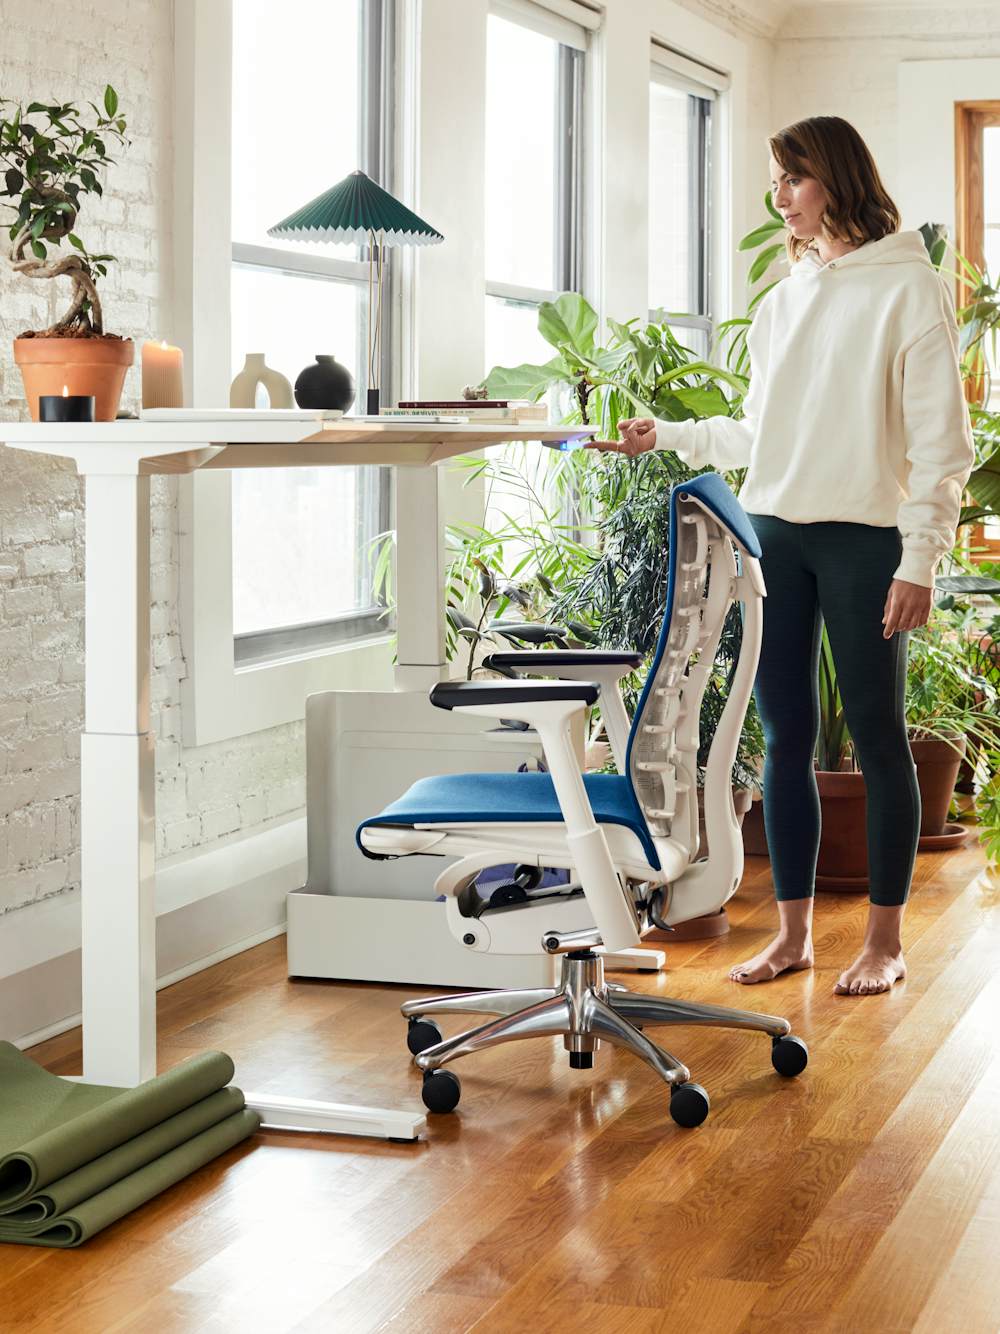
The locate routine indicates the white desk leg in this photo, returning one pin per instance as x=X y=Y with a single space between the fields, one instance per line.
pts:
x=420 y=655
x=337 y=1118
x=119 y=826
x=117 y=790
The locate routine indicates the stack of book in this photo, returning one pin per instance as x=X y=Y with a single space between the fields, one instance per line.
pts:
x=512 y=410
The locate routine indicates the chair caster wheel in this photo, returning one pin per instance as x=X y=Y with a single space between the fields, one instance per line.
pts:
x=421 y=1034
x=688 y=1104
x=441 y=1091
x=789 y=1055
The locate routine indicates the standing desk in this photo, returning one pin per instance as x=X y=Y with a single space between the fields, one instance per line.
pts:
x=117 y=459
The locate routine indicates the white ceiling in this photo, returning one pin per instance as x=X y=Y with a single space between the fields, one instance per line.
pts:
x=772 y=11
x=773 y=14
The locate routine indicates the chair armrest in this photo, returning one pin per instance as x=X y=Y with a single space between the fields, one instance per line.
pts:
x=574 y=664
x=510 y=694
x=563 y=657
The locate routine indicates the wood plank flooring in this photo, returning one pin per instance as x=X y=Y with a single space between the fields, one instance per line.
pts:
x=863 y=1196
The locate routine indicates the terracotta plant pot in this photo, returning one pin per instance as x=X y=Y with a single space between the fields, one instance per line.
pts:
x=842 y=863
x=754 y=835
x=937 y=773
x=843 y=853
x=843 y=850
x=83 y=365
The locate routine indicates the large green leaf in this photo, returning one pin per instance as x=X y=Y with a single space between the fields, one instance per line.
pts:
x=624 y=331
x=645 y=359
x=763 y=261
x=705 y=400
x=570 y=319
x=526 y=381
x=700 y=368
x=610 y=359
x=769 y=205
x=759 y=235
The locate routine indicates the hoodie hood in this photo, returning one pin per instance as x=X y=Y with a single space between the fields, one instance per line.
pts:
x=893 y=248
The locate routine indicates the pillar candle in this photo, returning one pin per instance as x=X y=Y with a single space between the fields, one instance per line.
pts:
x=162 y=376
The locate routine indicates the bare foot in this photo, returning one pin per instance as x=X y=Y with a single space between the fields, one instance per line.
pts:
x=873 y=971
x=781 y=956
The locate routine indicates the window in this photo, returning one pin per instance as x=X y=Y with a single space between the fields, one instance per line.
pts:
x=680 y=175
x=305 y=114
x=534 y=169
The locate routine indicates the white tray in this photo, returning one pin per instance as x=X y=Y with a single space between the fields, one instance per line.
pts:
x=238 y=414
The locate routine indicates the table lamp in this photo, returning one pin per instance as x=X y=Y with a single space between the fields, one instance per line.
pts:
x=355 y=209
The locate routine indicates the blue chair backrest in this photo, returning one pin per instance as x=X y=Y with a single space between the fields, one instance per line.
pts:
x=660 y=710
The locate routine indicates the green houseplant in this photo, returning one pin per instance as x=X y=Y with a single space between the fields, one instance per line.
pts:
x=53 y=156
x=618 y=586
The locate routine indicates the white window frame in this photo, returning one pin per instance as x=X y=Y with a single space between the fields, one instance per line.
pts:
x=550 y=20
x=571 y=25
x=220 y=700
x=673 y=69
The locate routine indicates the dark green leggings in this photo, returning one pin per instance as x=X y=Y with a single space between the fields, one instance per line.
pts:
x=839 y=573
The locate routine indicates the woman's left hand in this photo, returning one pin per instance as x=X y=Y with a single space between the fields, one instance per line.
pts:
x=906 y=606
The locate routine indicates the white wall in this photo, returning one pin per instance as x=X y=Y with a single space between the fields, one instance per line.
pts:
x=845 y=60
x=237 y=785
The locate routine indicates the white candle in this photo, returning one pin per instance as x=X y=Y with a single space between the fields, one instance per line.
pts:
x=162 y=376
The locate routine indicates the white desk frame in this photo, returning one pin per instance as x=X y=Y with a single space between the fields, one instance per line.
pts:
x=117 y=746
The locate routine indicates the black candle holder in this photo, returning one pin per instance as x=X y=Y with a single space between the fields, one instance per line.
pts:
x=66 y=408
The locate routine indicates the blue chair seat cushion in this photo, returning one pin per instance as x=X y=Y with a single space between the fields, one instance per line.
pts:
x=510 y=798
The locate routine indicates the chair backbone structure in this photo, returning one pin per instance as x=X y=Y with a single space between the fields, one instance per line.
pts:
x=630 y=840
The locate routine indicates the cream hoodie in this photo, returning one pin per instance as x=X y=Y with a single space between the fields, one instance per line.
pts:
x=854 y=410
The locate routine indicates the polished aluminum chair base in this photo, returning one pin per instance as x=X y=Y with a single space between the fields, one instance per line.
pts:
x=583 y=1010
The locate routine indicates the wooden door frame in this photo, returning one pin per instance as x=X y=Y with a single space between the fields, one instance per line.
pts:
x=971 y=118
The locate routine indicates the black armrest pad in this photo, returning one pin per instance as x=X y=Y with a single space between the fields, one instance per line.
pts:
x=453 y=694
x=564 y=657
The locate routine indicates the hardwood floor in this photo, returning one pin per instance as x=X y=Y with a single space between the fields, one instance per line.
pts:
x=863 y=1196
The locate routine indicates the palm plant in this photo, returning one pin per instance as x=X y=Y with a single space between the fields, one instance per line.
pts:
x=617 y=588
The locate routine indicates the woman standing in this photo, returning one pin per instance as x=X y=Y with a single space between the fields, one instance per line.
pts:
x=857 y=439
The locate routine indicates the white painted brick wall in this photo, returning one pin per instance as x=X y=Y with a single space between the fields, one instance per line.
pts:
x=72 y=51
x=841 y=60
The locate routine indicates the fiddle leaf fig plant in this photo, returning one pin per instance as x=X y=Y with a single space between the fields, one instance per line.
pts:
x=639 y=373
x=52 y=156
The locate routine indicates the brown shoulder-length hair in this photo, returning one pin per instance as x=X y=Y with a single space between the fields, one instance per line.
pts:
x=828 y=148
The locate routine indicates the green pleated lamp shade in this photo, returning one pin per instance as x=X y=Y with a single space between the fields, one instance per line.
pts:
x=350 y=210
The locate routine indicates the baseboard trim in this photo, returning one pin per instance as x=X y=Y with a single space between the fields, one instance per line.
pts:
x=210 y=905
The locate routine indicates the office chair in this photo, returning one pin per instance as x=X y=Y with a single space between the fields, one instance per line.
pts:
x=630 y=839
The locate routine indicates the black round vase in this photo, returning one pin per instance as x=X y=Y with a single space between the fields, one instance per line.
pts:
x=325 y=385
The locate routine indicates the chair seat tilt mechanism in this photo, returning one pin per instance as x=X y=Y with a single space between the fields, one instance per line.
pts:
x=629 y=840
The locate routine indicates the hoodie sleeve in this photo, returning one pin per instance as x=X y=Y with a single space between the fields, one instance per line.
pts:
x=939 y=449
x=722 y=442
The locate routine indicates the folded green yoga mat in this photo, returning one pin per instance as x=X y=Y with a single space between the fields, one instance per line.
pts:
x=76 y=1157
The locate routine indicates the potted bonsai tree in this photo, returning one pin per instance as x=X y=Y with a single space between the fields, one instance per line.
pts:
x=52 y=159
